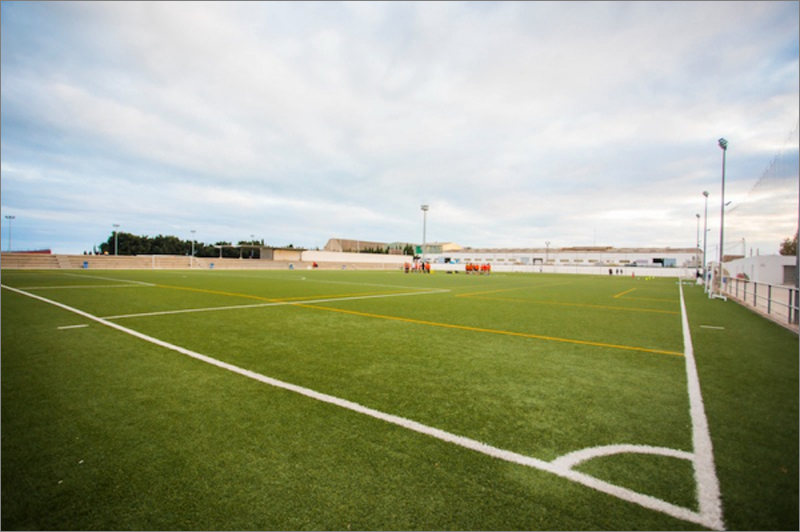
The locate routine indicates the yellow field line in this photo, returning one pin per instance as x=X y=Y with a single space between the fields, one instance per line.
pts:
x=273 y=299
x=471 y=294
x=492 y=331
x=629 y=309
x=623 y=293
x=652 y=299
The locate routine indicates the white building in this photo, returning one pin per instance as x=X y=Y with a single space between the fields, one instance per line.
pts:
x=769 y=269
x=576 y=257
x=597 y=260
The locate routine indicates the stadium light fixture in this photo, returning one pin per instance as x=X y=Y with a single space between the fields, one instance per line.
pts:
x=116 y=240
x=698 y=239
x=724 y=145
x=424 y=228
x=9 y=218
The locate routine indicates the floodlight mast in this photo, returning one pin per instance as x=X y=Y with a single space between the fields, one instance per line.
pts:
x=724 y=145
x=116 y=240
x=697 y=259
x=191 y=260
x=424 y=228
x=9 y=217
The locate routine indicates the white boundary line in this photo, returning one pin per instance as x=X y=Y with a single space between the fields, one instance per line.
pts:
x=705 y=473
x=84 y=276
x=309 y=278
x=709 y=515
x=272 y=304
x=71 y=286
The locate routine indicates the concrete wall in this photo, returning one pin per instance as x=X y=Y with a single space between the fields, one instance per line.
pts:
x=763 y=268
x=21 y=261
x=354 y=258
x=325 y=259
x=287 y=254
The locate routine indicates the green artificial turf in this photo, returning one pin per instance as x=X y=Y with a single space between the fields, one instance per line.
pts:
x=104 y=430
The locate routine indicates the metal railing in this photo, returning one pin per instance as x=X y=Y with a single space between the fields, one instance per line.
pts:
x=780 y=303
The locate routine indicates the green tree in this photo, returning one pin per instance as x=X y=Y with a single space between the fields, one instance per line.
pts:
x=253 y=249
x=129 y=244
x=789 y=246
x=125 y=244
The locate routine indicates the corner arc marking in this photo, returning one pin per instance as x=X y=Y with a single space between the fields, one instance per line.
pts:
x=570 y=460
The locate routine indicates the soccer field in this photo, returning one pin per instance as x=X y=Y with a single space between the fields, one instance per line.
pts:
x=381 y=400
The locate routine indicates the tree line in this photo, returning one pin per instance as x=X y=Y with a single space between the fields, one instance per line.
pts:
x=130 y=244
x=407 y=250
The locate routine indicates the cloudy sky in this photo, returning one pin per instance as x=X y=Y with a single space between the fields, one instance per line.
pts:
x=518 y=123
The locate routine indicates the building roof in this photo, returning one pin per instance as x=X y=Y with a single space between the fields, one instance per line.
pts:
x=342 y=244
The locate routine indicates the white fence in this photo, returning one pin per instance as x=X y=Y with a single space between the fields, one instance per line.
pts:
x=781 y=303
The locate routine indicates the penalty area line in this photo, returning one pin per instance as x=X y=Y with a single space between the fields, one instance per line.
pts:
x=87 y=276
x=270 y=304
x=623 y=293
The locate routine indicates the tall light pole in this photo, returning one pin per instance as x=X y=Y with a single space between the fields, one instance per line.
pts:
x=705 y=234
x=9 y=218
x=191 y=261
x=697 y=259
x=424 y=228
x=797 y=263
x=724 y=145
x=547 y=252
x=116 y=232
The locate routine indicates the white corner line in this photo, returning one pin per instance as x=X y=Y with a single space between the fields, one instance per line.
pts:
x=555 y=468
x=66 y=327
x=705 y=473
